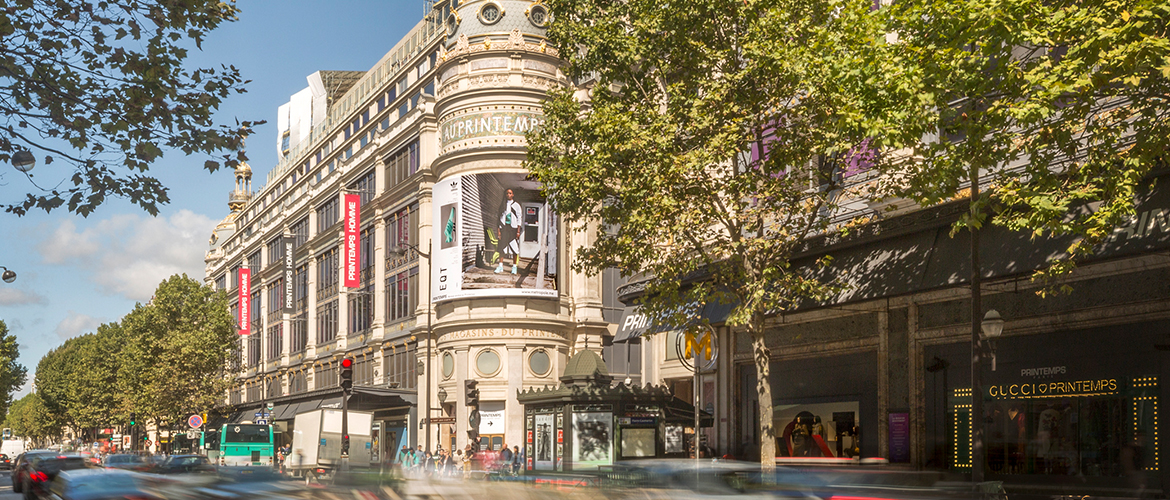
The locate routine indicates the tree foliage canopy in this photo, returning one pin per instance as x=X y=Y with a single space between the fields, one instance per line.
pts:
x=1061 y=104
x=164 y=359
x=12 y=374
x=102 y=85
x=712 y=141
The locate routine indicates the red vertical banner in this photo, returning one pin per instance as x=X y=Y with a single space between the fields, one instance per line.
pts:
x=352 y=237
x=245 y=304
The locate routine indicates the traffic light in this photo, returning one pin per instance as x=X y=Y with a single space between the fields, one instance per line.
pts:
x=473 y=439
x=471 y=394
x=345 y=444
x=346 y=374
x=133 y=419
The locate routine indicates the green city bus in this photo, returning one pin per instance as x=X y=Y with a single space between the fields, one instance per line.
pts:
x=246 y=444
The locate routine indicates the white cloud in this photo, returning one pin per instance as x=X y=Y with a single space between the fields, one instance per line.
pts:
x=75 y=324
x=130 y=254
x=17 y=297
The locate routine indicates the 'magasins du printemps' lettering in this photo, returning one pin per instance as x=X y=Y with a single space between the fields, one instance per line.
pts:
x=485 y=124
x=1043 y=389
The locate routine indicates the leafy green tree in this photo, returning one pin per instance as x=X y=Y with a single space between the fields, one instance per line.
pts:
x=54 y=380
x=710 y=145
x=176 y=349
x=102 y=85
x=1061 y=105
x=30 y=418
x=100 y=355
x=12 y=374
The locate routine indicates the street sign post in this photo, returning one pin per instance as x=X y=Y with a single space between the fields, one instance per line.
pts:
x=261 y=422
x=192 y=435
x=195 y=421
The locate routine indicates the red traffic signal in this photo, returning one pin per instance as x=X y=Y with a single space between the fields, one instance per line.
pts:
x=346 y=375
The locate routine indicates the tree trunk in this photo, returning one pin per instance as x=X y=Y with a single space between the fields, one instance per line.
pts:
x=762 y=355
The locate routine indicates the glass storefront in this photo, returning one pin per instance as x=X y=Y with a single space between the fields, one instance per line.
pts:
x=1103 y=428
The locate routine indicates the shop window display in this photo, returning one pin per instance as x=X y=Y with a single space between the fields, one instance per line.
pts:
x=1098 y=435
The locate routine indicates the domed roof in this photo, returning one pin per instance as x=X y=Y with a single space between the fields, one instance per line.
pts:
x=586 y=367
x=501 y=16
x=243 y=169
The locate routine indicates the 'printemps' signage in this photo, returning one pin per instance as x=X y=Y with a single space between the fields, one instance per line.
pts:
x=289 y=304
x=352 y=256
x=499 y=123
x=1053 y=389
x=245 y=305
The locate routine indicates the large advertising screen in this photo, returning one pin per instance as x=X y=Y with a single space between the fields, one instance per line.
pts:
x=495 y=236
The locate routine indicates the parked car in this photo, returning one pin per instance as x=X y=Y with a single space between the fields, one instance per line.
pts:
x=41 y=469
x=180 y=464
x=126 y=461
x=19 y=469
x=95 y=484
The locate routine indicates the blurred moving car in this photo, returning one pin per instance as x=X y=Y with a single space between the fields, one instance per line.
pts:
x=20 y=470
x=126 y=461
x=40 y=469
x=247 y=482
x=5 y=462
x=183 y=464
x=97 y=484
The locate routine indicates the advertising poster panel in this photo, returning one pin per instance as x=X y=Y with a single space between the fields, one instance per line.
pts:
x=495 y=237
x=544 y=442
x=594 y=439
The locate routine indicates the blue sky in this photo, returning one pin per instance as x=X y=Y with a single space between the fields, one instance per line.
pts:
x=75 y=273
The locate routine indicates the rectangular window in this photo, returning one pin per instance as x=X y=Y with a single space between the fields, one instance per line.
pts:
x=327 y=322
x=361 y=311
x=349 y=152
x=297 y=382
x=275 y=291
x=399 y=367
x=273 y=390
x=364 y=187
x=328 y=214
x=363 y=371
x=221 y=283
x=400 y=232
x=254 y=263
x=402 y=164
x=327 y=274
x=401 y=295
x=300 y=232
x=276 y=250
x=325 y=376
x=234 y=277
x=275 y=341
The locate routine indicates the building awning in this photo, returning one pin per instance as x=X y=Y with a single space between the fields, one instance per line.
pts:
x=283 y=412
x=634 y=324
x=682 y=412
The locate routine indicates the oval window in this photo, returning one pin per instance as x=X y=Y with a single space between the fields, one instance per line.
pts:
x=538 y=15
x=539 y=362
x=487 y=362
x=490 y=13
x=448 y=365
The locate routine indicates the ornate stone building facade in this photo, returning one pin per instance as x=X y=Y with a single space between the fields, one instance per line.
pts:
x=462 y=268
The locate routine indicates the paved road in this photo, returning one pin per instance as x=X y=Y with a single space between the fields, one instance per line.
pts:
x=6 y=487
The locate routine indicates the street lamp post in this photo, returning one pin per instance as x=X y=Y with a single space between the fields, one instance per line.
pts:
x=23 y=160
x=9 y=275
x=400 y=250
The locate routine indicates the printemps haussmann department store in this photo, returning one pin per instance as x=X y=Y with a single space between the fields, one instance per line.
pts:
x=422 y=156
